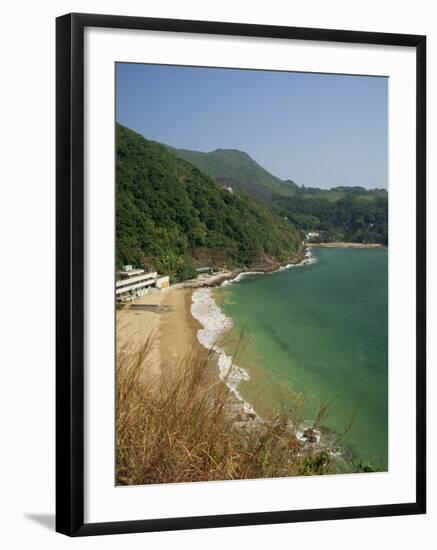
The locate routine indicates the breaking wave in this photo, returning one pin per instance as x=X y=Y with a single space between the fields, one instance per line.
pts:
x=215 y=323
x=308 y=259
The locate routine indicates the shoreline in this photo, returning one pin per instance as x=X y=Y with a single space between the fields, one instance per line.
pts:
x=186 y=317
x=217 y=279
x=215 y=323
x=311 y=437
x=342 y=244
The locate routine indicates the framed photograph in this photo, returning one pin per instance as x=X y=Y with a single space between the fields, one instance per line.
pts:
x=240 y=274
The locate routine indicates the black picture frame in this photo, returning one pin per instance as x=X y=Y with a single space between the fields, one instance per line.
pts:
x=70 y=273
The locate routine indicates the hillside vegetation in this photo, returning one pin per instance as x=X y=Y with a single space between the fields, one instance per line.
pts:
x=181 y=427
x=237 y=169
x=361 y=218
x=341 y=213
x=172 y=217
x=337 y=193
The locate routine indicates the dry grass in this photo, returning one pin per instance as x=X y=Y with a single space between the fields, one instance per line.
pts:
x=179 y=427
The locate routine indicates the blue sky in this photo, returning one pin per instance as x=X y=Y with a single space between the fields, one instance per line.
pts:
x=318 y=130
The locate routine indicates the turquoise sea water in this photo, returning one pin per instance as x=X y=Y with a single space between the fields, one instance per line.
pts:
x=320 y=330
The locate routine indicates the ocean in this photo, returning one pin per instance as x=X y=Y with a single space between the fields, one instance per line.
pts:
x=307 y=337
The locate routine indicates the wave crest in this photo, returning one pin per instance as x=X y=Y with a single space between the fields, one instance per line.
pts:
x=308 y=259
x=215 y=323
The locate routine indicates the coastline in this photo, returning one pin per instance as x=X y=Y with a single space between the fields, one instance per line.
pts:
x=187 y=318
x=215 y=324
x=341 y=244
x=217 y=279
x=311 y=436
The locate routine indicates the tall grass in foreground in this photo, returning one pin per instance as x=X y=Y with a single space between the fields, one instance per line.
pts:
x=179 y=426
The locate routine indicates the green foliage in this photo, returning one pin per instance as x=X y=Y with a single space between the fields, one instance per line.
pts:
x=236 y=168
x=185 y=271
x=349 y=218
x=168 y=214
x=316 y=464
x=336 y=193
x=351 y=214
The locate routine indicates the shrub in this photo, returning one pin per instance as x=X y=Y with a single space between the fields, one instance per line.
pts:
x=179 y=425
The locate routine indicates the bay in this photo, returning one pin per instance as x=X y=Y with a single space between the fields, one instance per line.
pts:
x=317 y=335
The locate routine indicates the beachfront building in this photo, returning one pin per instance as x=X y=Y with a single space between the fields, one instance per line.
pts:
x=133 y=283
x=311 y=235
x=163 y=282
x=201 y=270
x=128 y=272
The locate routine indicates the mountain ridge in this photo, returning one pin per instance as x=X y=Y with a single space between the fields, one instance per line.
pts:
x=236 y=166
x=342 y=213
x=350 y=213
x=248 y=175
x=173 y=218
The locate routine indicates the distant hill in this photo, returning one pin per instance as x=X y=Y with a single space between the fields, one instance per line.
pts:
x=237 y=169
x=337 y=193
x=339 y=214
x=172 y=217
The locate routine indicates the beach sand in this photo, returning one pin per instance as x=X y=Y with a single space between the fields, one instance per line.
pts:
x=178 y=329
x=164 y=316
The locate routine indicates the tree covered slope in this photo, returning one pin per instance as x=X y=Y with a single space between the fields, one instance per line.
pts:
x=349 y=218
x=172 y=217
x=237 y=169
x=341 y=213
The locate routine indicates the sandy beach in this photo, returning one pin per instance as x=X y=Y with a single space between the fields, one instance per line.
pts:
x=178 y=329
x=164 y=316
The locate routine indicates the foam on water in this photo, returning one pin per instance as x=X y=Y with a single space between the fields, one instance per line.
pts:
x=215 y=323
x=309 y=258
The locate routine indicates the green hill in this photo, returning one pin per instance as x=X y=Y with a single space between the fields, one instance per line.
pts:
x=352 y=216
x=337 y=193
x=172 y=217
x=238 y=170
x=341 y=213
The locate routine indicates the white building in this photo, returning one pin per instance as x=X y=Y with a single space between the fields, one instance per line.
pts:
x=312 y=235
x=128 y=271
x=163 y=282
x=133 y=283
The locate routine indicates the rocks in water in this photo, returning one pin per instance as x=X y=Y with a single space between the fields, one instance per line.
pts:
x=245 y=416
x=311 y=435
